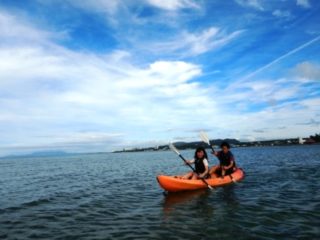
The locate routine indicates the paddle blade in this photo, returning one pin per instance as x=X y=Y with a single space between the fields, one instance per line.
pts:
x=204 y=137
x=173 y=148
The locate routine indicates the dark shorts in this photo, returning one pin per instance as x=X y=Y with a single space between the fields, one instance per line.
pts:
x=228 y=172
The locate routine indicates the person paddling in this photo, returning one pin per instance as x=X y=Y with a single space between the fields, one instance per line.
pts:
x=227 y=162
x=200 y=161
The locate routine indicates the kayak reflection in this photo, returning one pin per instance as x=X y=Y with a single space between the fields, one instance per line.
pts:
x=173 y=199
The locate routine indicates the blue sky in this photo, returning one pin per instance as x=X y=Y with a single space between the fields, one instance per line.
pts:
x=98 y=75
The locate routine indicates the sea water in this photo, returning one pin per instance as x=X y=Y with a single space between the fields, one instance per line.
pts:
x=116 y=196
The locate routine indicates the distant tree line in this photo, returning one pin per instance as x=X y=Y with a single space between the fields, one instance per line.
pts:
x=316 y=137
x=232 y=142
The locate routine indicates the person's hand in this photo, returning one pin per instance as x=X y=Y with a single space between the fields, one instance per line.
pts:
x=223 y=171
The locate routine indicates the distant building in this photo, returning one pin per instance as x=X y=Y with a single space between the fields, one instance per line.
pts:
x=301 y=140
x=306 y=141
x=309 y=141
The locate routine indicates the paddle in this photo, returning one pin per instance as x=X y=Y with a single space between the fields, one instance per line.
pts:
x=204 y=137
x=173 y=148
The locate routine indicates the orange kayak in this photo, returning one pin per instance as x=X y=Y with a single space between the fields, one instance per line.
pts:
x=174 y=184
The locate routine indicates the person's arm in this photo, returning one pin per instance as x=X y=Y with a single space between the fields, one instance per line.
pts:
x=190 y=161
x=229 y=166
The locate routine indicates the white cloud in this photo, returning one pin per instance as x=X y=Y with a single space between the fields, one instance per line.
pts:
x=256 y=4
x=293 y=51
x=192 y=44
x=255 y=92
x=273 y=119
x=14 y=33
x=307 y=71
x=303 y=3
x=54 y=96
x=281 y=14
x=52 y=91
x=76 y=92
x=173 y=5
x=95 y=100
x=109 y=7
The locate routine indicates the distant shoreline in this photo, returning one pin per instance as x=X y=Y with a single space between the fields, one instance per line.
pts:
x=233 y=142
x=180 y=145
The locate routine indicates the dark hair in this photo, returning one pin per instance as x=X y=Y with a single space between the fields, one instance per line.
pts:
x=225 y=144
x=198 y=150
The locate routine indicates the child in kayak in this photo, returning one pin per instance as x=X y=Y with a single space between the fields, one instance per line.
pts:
x=200 y=161
x=227 y=163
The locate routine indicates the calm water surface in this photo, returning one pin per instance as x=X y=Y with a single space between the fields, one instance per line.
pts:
x=116 y=196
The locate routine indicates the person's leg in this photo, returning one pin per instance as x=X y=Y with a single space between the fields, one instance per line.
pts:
x=188 y=175
x=229 y=171
x=213 y=169
x=194 y=176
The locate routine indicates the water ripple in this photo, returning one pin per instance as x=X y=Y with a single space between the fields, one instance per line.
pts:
x=116 y=196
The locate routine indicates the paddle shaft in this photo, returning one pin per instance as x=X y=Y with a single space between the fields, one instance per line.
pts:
x=194 y=170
